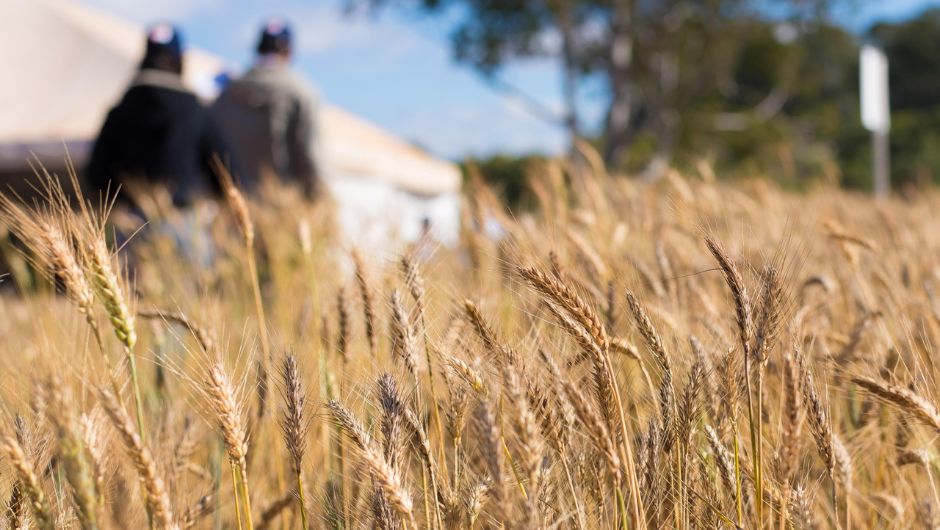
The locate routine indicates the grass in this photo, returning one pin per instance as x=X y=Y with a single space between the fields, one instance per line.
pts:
x=681 y=354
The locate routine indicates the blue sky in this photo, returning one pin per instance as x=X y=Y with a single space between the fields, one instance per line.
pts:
x=397 y=71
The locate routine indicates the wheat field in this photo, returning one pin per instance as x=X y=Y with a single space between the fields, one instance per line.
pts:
x=679 y=354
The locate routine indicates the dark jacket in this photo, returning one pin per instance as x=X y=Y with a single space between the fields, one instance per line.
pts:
x=270 y=115
x=158 y=133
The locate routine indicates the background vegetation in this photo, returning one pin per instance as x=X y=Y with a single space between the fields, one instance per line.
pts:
x=758 y=89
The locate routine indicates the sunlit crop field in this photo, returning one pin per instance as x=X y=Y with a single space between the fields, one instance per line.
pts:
x=678 y=354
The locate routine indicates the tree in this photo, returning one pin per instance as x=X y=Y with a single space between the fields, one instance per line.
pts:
x=676 y=71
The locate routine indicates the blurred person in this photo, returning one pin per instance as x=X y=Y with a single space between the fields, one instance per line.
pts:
x=159 y=133
x=160 y=140
x=270 y=115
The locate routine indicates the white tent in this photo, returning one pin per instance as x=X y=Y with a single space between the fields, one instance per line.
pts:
x=67 y=64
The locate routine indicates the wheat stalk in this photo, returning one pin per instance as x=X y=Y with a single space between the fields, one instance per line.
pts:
x=498 y=349
x=110 y=292
x=387 y=478
x=404 y=343
x=368 y=299
x=906 y=400
x=229 y=414
x=156 y=496
x=239 y=208
x=294 y=425
x=80 y=474
x=42 y=512
x=743 y=318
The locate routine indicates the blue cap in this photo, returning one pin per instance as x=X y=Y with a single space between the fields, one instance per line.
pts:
x=275 y=36
x=164 y=38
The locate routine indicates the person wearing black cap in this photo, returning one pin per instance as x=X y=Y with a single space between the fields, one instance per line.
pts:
x=159 y=132
x=270 y=117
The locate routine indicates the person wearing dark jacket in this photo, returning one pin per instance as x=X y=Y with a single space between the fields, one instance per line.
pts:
x=159 y=133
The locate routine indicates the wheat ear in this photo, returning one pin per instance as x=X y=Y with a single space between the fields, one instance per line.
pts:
x=42 y=511
x=368 y=299
x=908 y=401
x=156 y=496
x=294 y=425
x=110 y=292
x=387 y=479
x=231 y=421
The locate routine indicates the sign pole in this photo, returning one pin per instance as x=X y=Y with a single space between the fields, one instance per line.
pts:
x=876 y=114
x=880 y=163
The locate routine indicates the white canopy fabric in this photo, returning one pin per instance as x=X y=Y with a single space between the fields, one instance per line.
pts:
x=67 y=64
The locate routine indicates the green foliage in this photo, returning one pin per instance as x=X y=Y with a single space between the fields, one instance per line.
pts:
x=914 y=74
x=816 y=134
x=508 y=175
x=914 y=70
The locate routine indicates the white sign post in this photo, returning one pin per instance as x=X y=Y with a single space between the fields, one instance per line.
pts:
x=876 y=113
